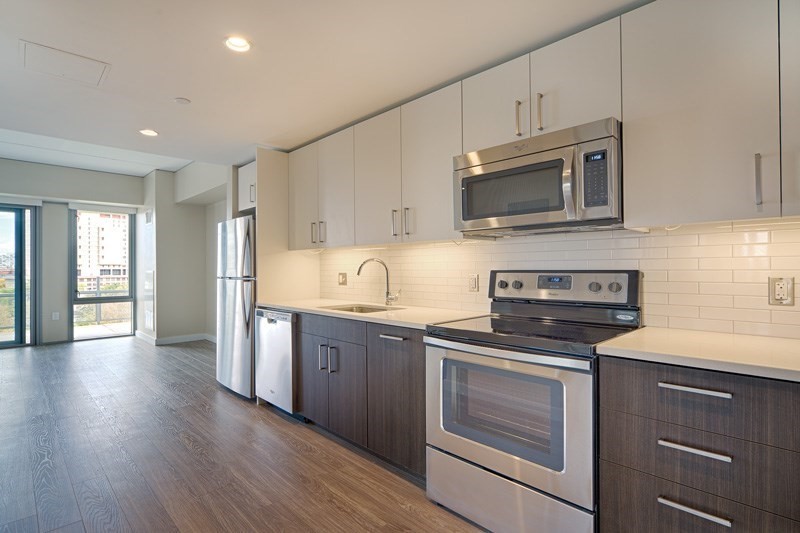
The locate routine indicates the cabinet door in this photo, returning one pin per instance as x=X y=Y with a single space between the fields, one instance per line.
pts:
x=790 y=106
x=577 y=80
x=377 y=179
x=303 y=220
x=431 y=137
x=396 y=395
x=247 y=186
x=700 y=82
x=347 y=391
x=313 y=379
x=497 y=105
x=336 y=182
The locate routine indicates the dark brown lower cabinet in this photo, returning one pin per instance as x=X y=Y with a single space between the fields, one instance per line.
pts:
x=635 y=502
x=313 y=381
x=396 y=395
x=333 y=385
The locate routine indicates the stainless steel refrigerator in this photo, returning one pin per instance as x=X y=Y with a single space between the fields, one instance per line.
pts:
x=236 y=292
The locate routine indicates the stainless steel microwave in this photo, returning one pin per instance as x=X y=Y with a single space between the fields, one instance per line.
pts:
x=568 y=180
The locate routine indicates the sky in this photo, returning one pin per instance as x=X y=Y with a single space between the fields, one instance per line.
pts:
x=6 y=232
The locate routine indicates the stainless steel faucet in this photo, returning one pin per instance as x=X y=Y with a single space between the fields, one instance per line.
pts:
x=390 y=298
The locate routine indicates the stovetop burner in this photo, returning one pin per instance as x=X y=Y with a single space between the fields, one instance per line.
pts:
x=560 y=312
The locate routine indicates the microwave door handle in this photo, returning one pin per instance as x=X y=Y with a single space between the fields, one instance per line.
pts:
x=566 y=185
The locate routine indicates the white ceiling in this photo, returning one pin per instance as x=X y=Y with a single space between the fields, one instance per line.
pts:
x=315 y=66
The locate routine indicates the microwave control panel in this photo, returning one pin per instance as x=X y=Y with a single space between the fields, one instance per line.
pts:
x=595 y=179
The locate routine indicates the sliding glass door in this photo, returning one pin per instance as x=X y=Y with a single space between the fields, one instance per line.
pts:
x=15 y=279
x=102 y=249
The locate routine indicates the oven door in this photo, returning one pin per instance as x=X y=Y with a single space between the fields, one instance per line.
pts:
x=527 y=417
x=523 y=191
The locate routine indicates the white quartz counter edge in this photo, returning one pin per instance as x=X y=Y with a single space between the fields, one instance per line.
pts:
x=403 y=316
x=751 y=355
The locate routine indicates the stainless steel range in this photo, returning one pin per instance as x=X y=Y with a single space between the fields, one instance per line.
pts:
x=511 y=399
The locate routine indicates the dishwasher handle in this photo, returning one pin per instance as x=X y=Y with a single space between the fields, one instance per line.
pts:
x=274 y=316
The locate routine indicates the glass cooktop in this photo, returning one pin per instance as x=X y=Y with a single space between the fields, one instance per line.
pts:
x=529 y=333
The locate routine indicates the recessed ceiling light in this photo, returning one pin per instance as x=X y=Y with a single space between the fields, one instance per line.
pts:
x=149 y=133
x=237 y=44
x=181 y=100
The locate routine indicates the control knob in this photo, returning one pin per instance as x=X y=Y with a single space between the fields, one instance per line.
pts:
x=503 y=284
x=595 y=287
x=615 y=286
x=517 y=284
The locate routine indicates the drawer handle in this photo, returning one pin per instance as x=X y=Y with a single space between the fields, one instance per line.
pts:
x=693 y=390
x=695 y=512
x=696 y=451
x=391 y=337
x=322 y=358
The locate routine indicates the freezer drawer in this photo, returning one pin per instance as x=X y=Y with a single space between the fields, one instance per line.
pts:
x=275 y=358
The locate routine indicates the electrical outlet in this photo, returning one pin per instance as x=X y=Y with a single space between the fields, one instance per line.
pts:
x=473 y=283
x=781 y=291
x=342 y=278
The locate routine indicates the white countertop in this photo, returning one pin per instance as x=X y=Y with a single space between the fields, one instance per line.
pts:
x=752 y=355
x=402 y=315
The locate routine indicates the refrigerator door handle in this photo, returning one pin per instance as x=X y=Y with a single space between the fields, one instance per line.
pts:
x=247 y=255
x=246 y=296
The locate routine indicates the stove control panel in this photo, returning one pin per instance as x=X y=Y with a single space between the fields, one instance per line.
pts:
x=604 y=286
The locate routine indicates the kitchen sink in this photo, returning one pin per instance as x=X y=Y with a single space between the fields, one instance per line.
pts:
x=357 y=308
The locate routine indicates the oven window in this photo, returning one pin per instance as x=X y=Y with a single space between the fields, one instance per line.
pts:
x=516 y=413
x=519 y=191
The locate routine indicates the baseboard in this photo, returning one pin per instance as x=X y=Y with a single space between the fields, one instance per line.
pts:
x=145 y=337
x=181 y=338
x=211 y=338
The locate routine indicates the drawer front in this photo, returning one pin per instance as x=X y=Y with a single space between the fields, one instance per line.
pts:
x=632 y=501
x=755 y=409
x=761 y=476
x=340 y=329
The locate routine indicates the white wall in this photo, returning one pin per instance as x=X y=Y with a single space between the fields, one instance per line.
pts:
x=201 y=183
x=55 y=270
x=49 y=182
x=180 y=264
x=282 y=275
x=215 y=213
x=706 y=277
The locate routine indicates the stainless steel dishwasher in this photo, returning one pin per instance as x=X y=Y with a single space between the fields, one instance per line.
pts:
x=275 y=358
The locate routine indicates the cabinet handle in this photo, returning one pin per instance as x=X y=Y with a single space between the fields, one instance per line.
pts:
x=330 y=366
x=252 y=193
x=539 y=97
x=695 y=512
x=693 y=390
x=759 y=195
x=321 y=227
x=695 y=451
x=406 y=229
x=517 y=105
x=313 y=237
x=391 y=337
x=394 y=227
x=321 y=359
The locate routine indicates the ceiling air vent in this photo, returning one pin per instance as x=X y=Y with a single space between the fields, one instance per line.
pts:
x=61 y=64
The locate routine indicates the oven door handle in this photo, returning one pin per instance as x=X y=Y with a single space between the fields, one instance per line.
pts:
x=523 y=357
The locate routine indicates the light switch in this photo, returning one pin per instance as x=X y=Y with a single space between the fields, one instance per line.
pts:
x=55 y=315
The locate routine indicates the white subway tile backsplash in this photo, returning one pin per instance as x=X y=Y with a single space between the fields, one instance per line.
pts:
x=707 y=277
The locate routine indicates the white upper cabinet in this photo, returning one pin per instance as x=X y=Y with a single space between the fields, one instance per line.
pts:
x=577 y=80
x=336 y=190
x=303 y=214
x=247 y=186
x=377 y=179
x=790 y=106
x=431 y=136
x=497 y=105
x=701 y=129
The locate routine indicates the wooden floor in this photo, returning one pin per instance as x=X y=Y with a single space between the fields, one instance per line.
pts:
x=118 y=435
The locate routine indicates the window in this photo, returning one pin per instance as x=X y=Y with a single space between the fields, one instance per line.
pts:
x=103 y=289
